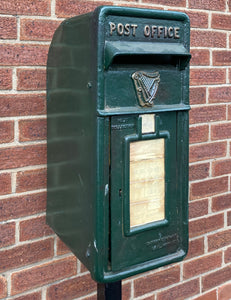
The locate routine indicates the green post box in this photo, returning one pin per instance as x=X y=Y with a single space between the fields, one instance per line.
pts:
x=117 y=108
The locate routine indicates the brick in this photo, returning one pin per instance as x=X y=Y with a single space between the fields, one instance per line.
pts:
x=26 y=254
x=147 y=5
x=34 y=228
x=196 y=248
x=229 y=112
x=205 y=225
x=61 y=247
x=181 y=291
x=7 y=234
x=8 y=26
x=16 y=207
x=208 y=4
x=206 y=114
x=200 y=57
x=221 y=58
x=3 y=287
x=148 y=298
x=33 y=296
x=207 y=38
x=22 y=105
x=197 y=95
x=221 y=167
x=216 y=278
x=31 y=79
x=6 y=131
x=229 y=218
x=20 y=54
x=94 y=297
x=126 y=291
x=208 y=296
x=221 y=131
x=72 y=288
x=21 y=156
x=207 y=151
x=198 y=171
x=221 y=202
x=5 y=79
x=83 y=269
x=31 y=180
x=219 y=240
x=219 y=94
x=32 y=130
x=221 y=21
x=160 y=279
x=198 y=208
x=209 y=187
x=178 y=3
x=224 y=292
x=198 y=134
x=201 y=265
x=70 y=8
x=227 y=257
x=25 y=7
x=37 y=30
x=198 y=19
x=43 y=274
x=5 y=183
x=207 y=76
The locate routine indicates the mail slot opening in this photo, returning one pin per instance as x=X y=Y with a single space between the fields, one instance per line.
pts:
x=158 y=59
x=146 y=53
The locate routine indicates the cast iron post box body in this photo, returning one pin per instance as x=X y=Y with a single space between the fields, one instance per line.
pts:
x=117 y=110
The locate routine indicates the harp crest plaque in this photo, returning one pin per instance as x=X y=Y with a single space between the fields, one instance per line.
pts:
x=146 y=85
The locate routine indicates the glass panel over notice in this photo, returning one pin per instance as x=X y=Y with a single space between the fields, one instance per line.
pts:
x=147 y=181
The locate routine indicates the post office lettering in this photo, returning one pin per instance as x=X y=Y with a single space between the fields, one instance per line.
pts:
x=157 y=32
x=123 y=29
x=147 y=31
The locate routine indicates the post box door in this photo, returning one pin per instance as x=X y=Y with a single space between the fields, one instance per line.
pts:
x=145 y=206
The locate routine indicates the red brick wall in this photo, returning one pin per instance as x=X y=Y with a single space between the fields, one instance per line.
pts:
x=34 y=263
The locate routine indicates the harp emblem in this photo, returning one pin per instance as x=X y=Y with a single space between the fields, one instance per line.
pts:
x=146 y=85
